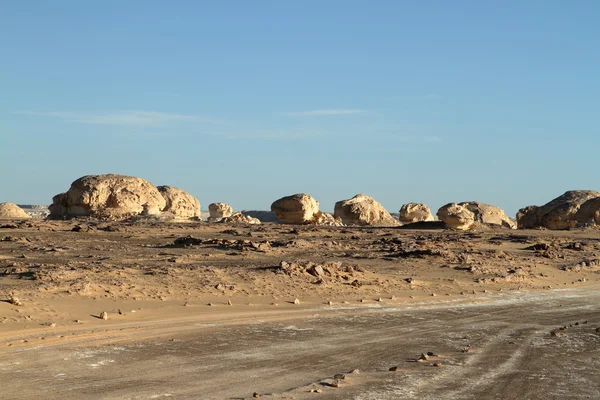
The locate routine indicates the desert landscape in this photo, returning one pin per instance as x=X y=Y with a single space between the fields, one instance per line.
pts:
x=127 y=291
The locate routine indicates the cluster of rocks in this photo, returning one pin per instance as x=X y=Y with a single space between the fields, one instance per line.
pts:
x=112 y=196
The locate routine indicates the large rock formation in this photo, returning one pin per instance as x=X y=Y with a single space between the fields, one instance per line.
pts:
x=414 y=212
x=180 y=203
x=489 y=215
x=219 y=210
x=464 y=215
x=559 y=213
x=363 y=210
x=456 y=216
x=239 y=218
x=298 y=208
x=12 y=211
x=110 y=195
x=589 y=212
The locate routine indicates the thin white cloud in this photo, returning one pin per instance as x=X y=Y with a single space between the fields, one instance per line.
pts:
x=433 y=139
x=430 y=96
x=122 y=118
x=328 y=111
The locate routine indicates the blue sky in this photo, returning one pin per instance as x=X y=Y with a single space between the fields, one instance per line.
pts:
x=248 y=101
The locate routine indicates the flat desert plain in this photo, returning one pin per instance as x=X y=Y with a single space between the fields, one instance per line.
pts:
x=152 y=310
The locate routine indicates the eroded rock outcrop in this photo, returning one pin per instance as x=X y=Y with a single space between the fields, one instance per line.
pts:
x=489 y=215
x=299 y=208
x=464 y=215
x=219 y=210
x=110 y=195
x=560 y=213
x=363 y=210
x=589 y=212
x=456 y=216
x=12 y=211
x=180 y=203
x=415 y=212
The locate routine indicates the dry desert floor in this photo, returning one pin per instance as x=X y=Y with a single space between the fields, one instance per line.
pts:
x=215 y=311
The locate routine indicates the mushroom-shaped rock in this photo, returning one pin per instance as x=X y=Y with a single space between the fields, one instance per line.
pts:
x=489 y=215
x=180 y=203
x=12 y=211
x=363 y=210
x=415 y=212
x=299 y=208
x=111 y=195
x=239 y=218
x=456 y=216
x=220 y=210
x=559 y=213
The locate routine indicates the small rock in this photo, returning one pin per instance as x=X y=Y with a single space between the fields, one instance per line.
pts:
x=380 y=299
x=52 y=325
x=210 y=304
x=104 y=315
x=354 y=371
x=296 y=301
x=394 y=368
x=229 y=303
x=256 y=395
x=335 y=383
x=186 y=304
x=339 y=376
x=433 y=294
x=437 y=364
x=14 y=300
x=119 y=311
x=316 y=391
x=393 y=298
x=424 y=357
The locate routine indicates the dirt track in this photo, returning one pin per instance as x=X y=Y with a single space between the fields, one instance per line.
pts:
x=511 y=354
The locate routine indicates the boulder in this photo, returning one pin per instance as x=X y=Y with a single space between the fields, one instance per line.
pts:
x=589 y=212
x=239 y=218
x=326 y=219
x=180 y=203
x=363 y=210
x=414 y=212
x=12 y=211
x=299 y=208
x=559 y=213
x=456 y=216
x=110 y=195
x=219 y=210
x=489 y=215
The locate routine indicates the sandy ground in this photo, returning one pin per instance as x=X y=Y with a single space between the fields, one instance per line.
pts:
x=489 y=304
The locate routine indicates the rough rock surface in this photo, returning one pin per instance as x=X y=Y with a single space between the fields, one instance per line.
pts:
x=239 y=218
x=489 y=215
x=589 y=212
x=363 y=210
x=12 y=211
x=559 y=213
x=456 y=216
x=299 y=208
x=463 y=215
x=326 y=219
x=110 y=195
x=219 y=210
x=415 y=212
x=180 y=203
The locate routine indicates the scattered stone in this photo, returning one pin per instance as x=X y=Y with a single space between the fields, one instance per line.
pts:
x=210 y=304
x=330 y=303
x=354 y=371
x=229 y=303
x=104 y=315
x=437 y=364
x=423 y=357
x=296 y=301
x=14 y=300
x=335 y=383
x=256 y=395
x=394 y=368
